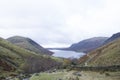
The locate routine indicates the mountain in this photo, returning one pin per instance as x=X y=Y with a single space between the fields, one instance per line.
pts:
x=29 y=44
x=19 y=60
x=88 y=44
x=107 y=55
x=112 y=38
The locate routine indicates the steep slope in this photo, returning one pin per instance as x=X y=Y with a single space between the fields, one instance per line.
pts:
x=16 y=59
x=29 y=45
x=88 y=44
x=112 y=38
x=106 y=55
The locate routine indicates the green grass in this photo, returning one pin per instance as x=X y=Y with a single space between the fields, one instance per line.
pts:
x=106 y=55
x=13 y=53
x=54 y=76
x=48 y=76
x=29 y=44
x=12 y=56
x=85 y=75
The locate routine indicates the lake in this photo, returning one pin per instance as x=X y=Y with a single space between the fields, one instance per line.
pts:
x=67 y=54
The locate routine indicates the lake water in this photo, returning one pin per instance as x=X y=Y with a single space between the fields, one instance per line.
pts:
x=67 y=54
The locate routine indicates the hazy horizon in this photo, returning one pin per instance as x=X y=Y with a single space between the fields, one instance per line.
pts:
x=56 y=45
x=59 y=23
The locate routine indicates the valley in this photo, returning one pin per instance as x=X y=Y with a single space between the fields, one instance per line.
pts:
x=59 y=39
x=22 y=58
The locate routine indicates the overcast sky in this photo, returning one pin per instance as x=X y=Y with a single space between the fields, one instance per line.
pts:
x=57 y=23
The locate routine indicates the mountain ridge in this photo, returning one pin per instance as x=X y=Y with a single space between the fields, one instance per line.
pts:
x=29 y=44
x=106 y=55
x=19 y=60
x=88 y=45
x=112 y=38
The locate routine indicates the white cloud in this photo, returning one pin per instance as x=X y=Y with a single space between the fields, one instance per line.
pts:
x=59 y=22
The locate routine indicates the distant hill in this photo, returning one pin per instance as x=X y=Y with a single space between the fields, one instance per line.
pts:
x=106 y=55
x=88 y=44
x=29 y=44
x=16 y=59
x=112 y=38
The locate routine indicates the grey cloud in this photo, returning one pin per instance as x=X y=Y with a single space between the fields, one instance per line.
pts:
x=59 y=22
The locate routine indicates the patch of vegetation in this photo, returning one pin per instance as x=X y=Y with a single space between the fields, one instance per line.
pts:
x=19 y=60
x=73 y=75
x=60 y=75
x=29 y=44
x=106 y=55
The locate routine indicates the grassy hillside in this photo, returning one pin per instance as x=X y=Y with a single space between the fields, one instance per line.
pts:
x=106 y=55
x=88 y=44
x=29 y=44
x=16 y=59
x=112 y=38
